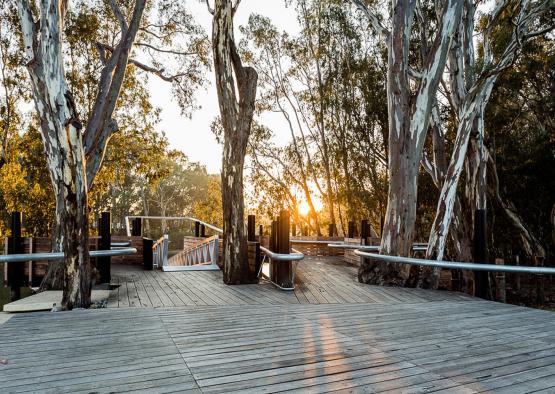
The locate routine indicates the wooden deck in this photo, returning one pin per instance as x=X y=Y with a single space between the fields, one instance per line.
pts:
x=323 y=280
x=360 y=339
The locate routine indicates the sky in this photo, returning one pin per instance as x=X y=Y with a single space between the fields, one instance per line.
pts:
x=193 y=136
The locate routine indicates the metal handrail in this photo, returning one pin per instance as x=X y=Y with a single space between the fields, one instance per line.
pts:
x=120 y=244
x=307 y=241
x=373 y=248
x=458 y=265
x=188 y=218
x=295 y=256
x=18 y=258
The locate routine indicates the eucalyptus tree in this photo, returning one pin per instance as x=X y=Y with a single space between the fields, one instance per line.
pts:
x=236 y=88
x=13 y=90
x=411 y=91
x=470 y=86
x=75 y=148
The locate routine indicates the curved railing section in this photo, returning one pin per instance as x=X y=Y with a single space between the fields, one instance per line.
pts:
x=19 y=258
x=294 y=257
x=458 y=265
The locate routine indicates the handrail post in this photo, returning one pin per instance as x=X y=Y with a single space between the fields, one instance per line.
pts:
x=105 y=243
x=136 y=227
x=364 y=233
x=147 y=254
x=251 y=226
x=480 y=252
x=351 y=230
x=197 y=229
x=284 y=269
x=202 y=231
x=165 y=249
x=15 y=246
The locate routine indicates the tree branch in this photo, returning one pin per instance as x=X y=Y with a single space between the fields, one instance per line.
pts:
x=374 y=21
x=164 y=50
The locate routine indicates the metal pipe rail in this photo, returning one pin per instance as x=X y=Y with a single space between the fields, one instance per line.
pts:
x=188 y=218
x=307 y=241
x=18 y=258
x=372 y=248
x=295 y=256
x=458 y=265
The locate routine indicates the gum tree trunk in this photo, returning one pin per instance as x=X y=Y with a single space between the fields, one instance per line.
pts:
x=73 y=157
x=471 y=95
x=236 y=115
x=409 y=113
x=61 y=134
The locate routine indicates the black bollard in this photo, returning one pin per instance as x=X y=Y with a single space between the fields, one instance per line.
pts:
x=480 y=252
x=147 y=254
x=364 y=232
x=15 y=246
x=136 y=227
x=251 y=226
x=351 y=230
x=105 y=243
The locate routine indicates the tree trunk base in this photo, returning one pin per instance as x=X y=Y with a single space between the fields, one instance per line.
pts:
x=54 y=278
x=383 y=274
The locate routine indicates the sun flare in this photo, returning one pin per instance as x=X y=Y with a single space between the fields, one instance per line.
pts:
x=304 y=208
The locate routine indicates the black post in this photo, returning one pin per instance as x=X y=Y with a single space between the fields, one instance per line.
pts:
x=284 y=269
x=197 y=229
x=273 y=247
x=351 y=230
x=15 y=246
x=293 y=230
x=136 y=227
x=364 y=233
x=105 y=243
x=480 y=252
x=203 y=231
x=331 y=229
x=147 y=253
x=305 y=231
x=251 y=226
x=273 y=236
x=261 y=230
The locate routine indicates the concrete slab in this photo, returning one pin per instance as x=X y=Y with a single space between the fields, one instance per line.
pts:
x=46 y=300
x=4 y=317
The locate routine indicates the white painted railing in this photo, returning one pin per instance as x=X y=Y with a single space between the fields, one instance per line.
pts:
x=160 y=251
x=203 y=256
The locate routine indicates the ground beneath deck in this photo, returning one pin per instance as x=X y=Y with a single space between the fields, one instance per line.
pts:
x=383 y=340
x=319 y=280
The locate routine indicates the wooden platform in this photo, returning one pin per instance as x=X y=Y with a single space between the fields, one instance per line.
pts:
x=437 y=346
x=322 y=280
x=331 y=335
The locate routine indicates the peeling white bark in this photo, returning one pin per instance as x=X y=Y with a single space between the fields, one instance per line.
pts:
x=470 y=94
x=409 y=117
x=61 y=135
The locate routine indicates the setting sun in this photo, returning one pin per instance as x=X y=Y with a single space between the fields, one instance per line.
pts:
x=304 y=208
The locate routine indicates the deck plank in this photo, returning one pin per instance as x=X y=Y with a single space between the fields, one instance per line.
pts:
x=188 y=332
